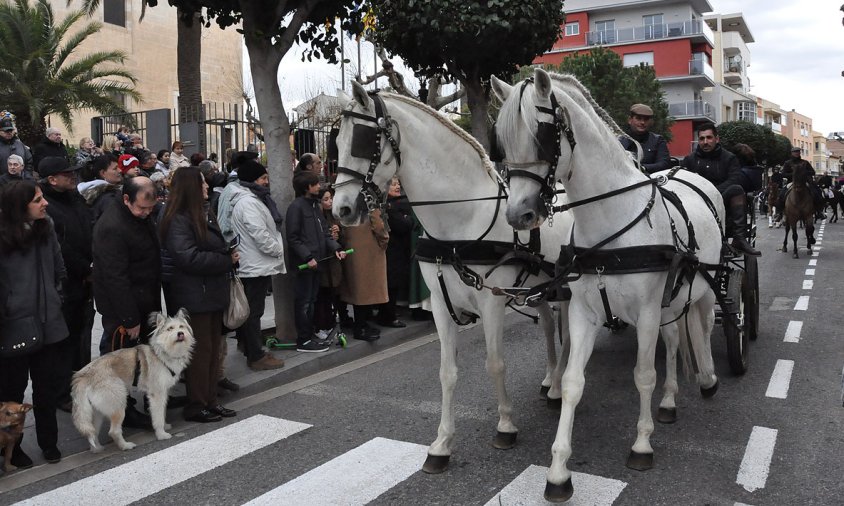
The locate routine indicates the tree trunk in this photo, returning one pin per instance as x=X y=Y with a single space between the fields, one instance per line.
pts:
x=264 y=62
x=188 y=70
x=478 y=99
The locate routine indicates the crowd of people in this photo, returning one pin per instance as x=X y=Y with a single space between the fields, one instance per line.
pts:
x=114 y=227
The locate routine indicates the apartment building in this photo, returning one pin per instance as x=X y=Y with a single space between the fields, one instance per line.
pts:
x=151 y=48
x=730 y=60
x=798 y=129
x=670 y=35
x=770 y=114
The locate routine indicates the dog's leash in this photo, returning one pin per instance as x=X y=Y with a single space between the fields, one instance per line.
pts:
x=122 y=333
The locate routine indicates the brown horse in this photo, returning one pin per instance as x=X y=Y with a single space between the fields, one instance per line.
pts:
x=799 y=207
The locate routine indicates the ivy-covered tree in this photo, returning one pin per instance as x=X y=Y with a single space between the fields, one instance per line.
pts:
x=468 y=40
x=616 y=87
x=36 y=77
x=771 y=149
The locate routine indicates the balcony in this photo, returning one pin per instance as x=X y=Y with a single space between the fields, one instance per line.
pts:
x=700 y=75
x=695 y=110
x=776 y=127
x=733 y=73
x=695 y=28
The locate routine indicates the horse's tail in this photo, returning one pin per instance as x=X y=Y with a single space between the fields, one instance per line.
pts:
x=695 y=345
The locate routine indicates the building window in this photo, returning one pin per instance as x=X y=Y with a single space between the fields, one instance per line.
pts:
x=606 y=31
x=573 y=28
x=114 y=12
x=634 y=59
x=747 y=111
x=654 y=29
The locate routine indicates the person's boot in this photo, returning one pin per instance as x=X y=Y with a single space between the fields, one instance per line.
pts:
x=739 y=219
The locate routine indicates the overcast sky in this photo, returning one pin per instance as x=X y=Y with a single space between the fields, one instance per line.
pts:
x=797 y=56
x=796 y=59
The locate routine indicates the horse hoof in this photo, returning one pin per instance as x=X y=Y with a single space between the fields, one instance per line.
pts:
x=559 y=493
x=435 y=464
x=543 y=391
x=707 y=393
x=666 y=415
x=504 y=440
x=554 y=403
x=795 y=256
x=640 y=461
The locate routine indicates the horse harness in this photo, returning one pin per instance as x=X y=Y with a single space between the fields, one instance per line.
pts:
x=366 y=143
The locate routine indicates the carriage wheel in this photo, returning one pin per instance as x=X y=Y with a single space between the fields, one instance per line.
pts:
x=751 y=297
x=736 y=330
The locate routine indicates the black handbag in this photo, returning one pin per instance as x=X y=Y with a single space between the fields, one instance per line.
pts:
x=25 y=335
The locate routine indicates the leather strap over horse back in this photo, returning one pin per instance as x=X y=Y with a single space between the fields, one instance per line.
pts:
x=629 y=260
x=479 y=253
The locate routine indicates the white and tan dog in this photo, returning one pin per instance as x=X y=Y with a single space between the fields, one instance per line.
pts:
x=100 y=388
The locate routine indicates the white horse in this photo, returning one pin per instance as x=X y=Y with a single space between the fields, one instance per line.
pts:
x=441 y=162
x=591 y=163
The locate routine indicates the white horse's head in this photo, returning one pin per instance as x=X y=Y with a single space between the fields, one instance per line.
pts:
x=527 y=131
x=362 y=148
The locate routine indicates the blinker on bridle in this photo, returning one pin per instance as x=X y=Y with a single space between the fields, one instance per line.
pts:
x=366 y=143
x=548 y=138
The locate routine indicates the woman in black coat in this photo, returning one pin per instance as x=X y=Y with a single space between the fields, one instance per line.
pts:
x=31 y=269
x=196 y=264
x=400 y=220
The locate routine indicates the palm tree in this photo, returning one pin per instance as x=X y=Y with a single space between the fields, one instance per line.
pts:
x=37 y=76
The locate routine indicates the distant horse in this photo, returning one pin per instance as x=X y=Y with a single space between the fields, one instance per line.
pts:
x=773 y=190
x=833 y=199
x=799 y=207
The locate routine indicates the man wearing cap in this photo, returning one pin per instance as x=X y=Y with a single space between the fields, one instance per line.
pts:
x=721 y=168
x=789 y=168
x=73 y=226
x=655 y=155
x=10 y=144
x=254 y=219
x=50 y=145
x=129 y=166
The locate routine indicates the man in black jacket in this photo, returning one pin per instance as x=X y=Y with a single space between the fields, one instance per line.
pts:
x=792 y=165
x=720 y=167
x=50 y=145
x=10 y=144
x=127 y=272
x=655 y=155
x=72 y=223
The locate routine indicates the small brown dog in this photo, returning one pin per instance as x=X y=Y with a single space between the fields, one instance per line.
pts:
x=12 y=416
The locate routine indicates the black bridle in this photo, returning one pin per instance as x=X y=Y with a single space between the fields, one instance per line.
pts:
x=366 y=143
x=548 y=141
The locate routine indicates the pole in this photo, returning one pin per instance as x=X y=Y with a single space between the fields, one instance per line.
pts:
x=342 y=58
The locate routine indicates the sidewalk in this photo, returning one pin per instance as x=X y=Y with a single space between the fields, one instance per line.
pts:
x=296 y=365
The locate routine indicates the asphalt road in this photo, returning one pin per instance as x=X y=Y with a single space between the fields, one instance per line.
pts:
x=358 y=434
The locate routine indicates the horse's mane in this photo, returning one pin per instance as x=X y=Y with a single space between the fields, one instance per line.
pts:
x=603 y=114
x=448 y=124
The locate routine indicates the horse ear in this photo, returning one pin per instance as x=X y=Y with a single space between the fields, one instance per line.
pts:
x=359 y=92
x=500 y=88
x=542 y=82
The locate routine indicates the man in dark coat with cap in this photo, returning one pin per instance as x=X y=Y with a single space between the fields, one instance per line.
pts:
x=10 y=144
x=50 y=145
x=789 y=168
x=73 y=226
x=655 y=155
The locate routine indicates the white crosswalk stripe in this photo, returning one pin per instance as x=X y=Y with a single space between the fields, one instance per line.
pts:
x=589 y=490
x=171 y=466
x=357 y=477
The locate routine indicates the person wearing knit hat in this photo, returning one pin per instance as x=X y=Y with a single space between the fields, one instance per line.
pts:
x=250 y=171
x=129 y=166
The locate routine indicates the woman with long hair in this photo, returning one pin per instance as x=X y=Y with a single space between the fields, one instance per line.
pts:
x=196 y=264
x=31 y=268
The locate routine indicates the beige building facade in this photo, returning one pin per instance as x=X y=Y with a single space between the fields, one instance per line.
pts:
x=152 y=57
x=798 y=129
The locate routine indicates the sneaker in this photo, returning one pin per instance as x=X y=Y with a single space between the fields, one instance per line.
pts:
x=312 y=346
x=266 y=363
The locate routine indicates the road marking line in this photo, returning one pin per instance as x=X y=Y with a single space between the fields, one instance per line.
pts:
x=356 y=477
x=819 y=241
x=817 y=248
x=589 y=489
x=780 y=379
x=813 y=262
x=802 y=303
x=753 y=472
x=792 y=333
x=157 y=471
x=815 y=253
x=808 y=284
x=810 y=272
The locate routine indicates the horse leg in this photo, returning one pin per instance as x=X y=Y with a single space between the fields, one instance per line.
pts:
x=546 y=321
x=667 y=406
x=794 y=241
x=492 y=316
x=583 y=332
x=701 y=323
x=785 y=239
x=440 y=450
x=644 y=375
x=810 y=237
x=555 y=394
